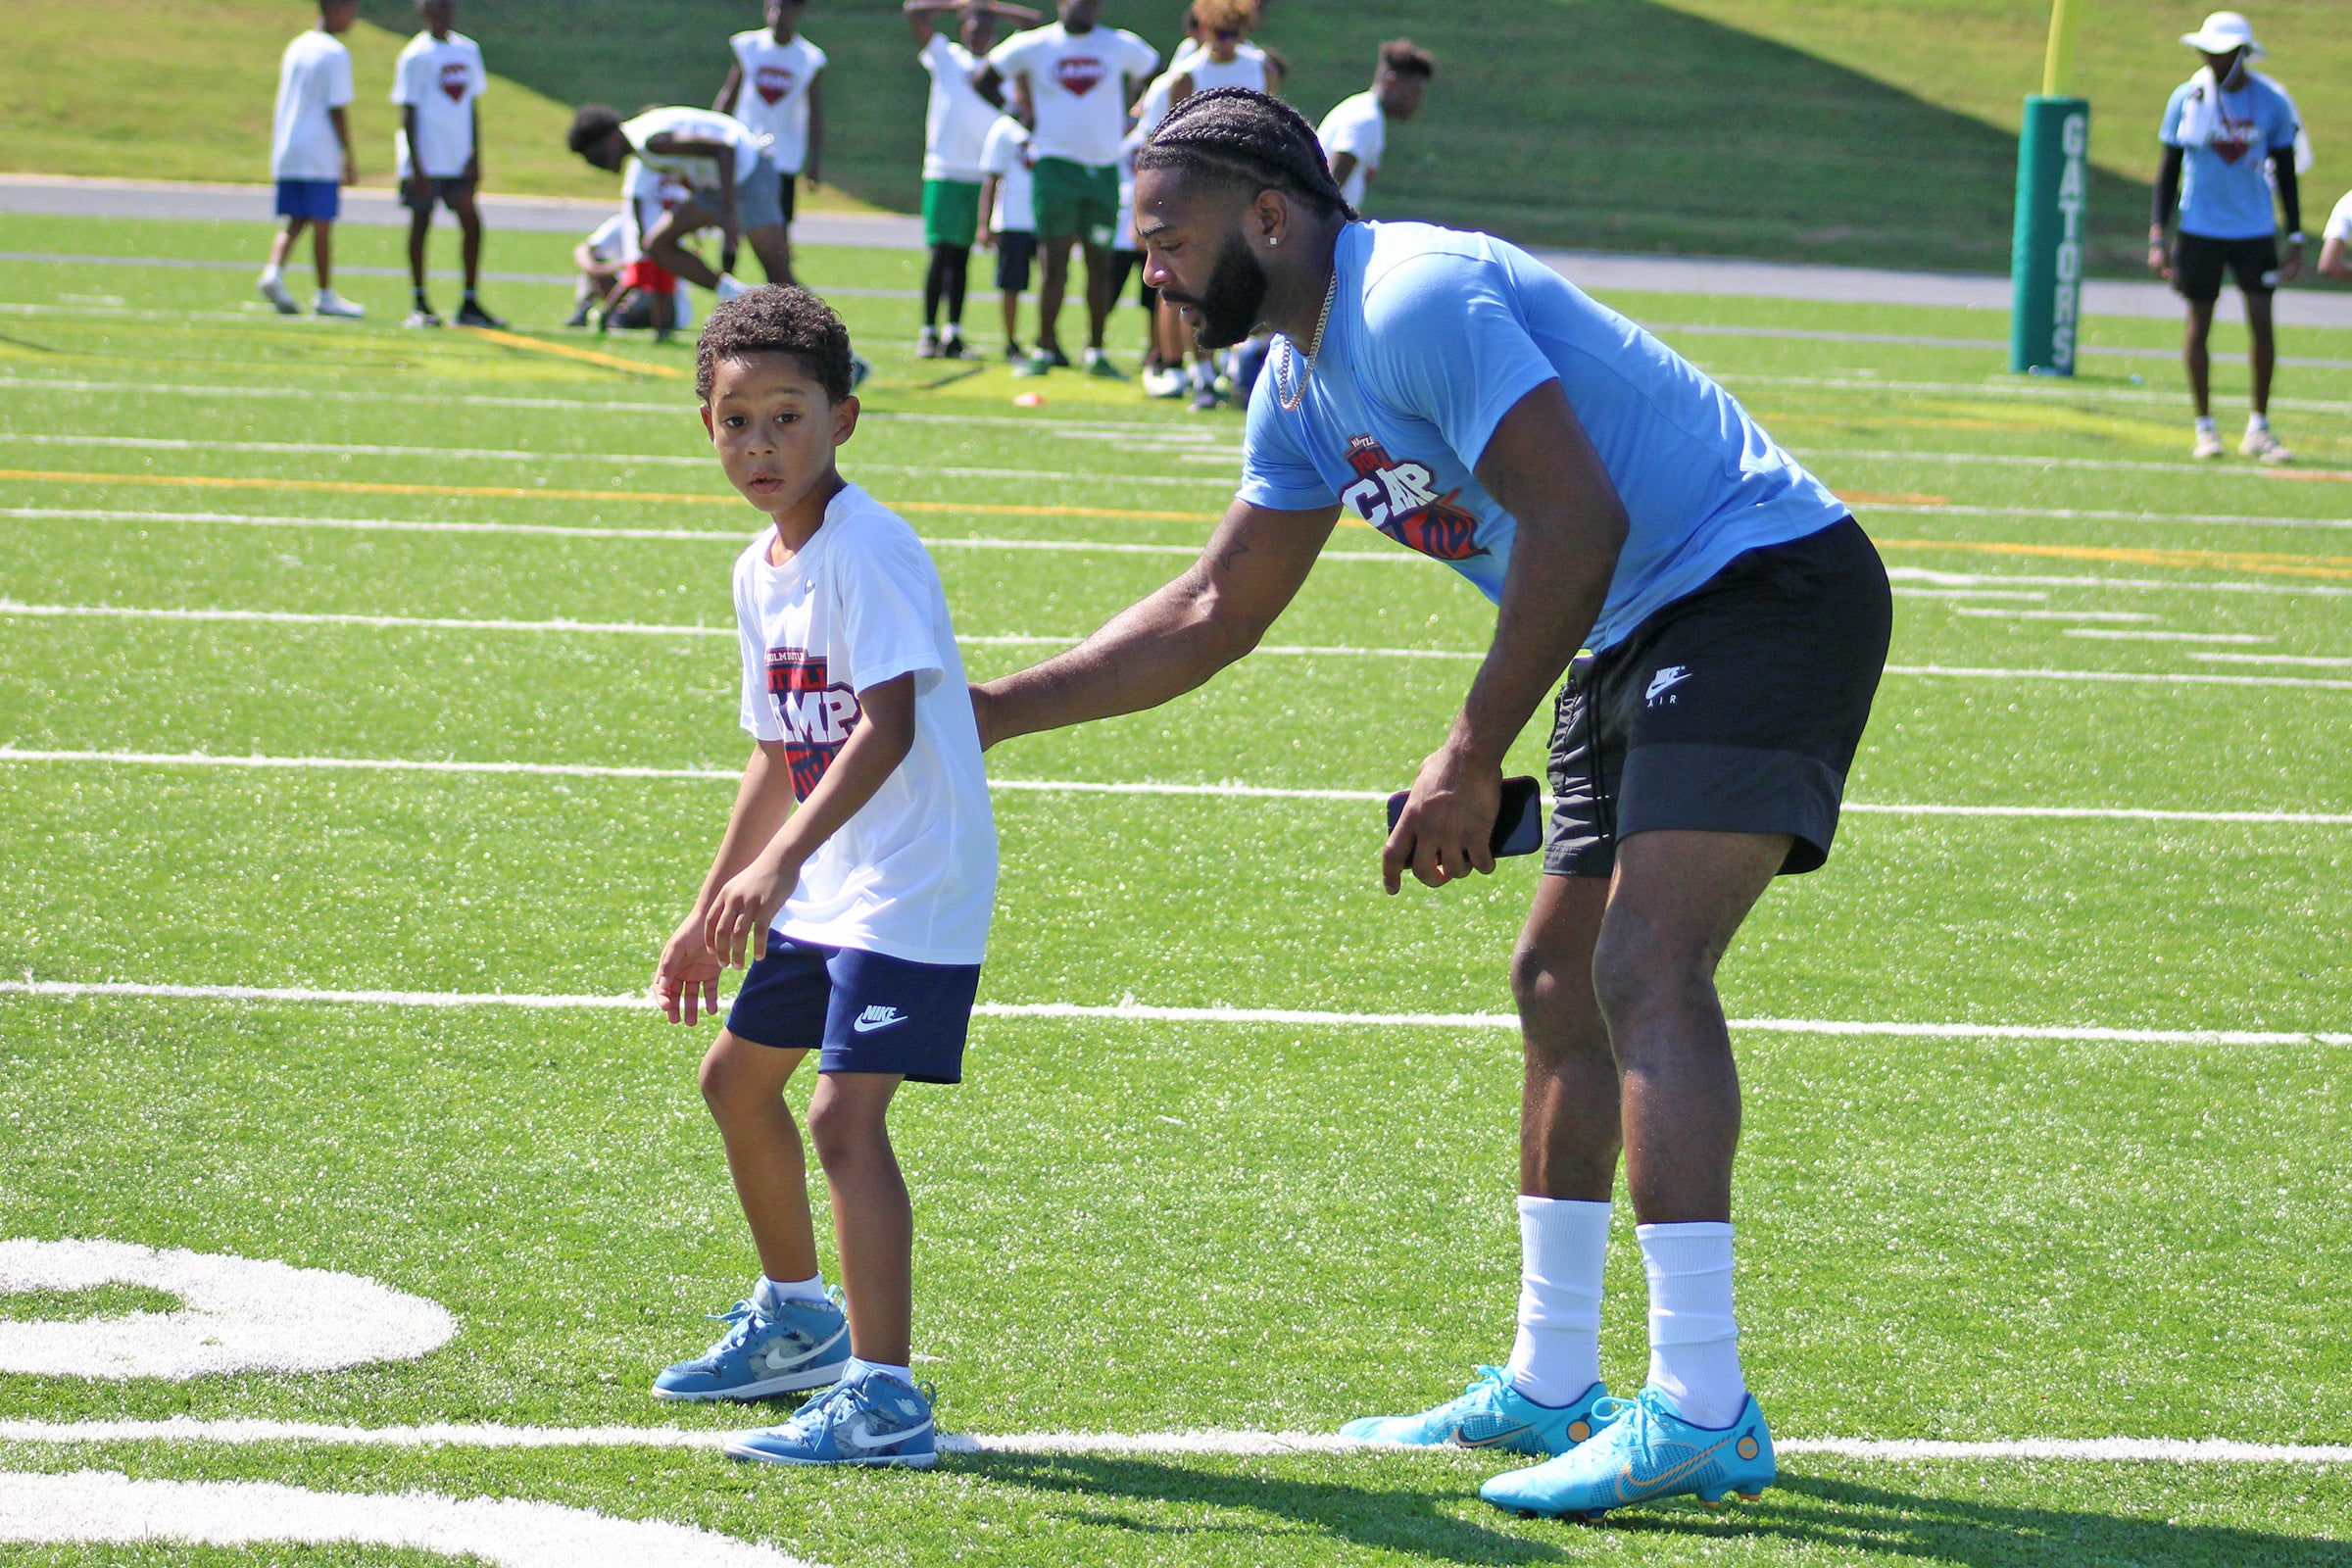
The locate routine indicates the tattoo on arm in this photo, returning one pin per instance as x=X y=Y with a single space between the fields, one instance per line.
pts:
x=1233 y=553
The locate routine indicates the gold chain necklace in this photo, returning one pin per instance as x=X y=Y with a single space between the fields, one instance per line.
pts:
x=1291 y=398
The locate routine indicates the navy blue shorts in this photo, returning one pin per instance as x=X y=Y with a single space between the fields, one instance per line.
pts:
x=318 y=199
x=860 y=1011
x=448 y=192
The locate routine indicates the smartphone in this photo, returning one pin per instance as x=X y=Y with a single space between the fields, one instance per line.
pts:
x=1518 y=823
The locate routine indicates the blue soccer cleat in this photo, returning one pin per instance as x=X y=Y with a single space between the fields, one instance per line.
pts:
x=872 y=1419
x=1491 y=1414
x=800 y=1345
x=1643 y=1453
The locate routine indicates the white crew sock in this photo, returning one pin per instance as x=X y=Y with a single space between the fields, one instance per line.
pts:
x=274 y=273
x=768 y=1295
x=860 y=1367
x=1562 y=1244
x=1693 y=1338
x=1203 y=376
x=2256 y=423
x=2205 y=425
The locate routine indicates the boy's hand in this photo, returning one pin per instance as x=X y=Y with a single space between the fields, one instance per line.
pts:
x=686 y=979
x=739 y=917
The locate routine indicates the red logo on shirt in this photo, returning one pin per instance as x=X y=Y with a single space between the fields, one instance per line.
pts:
x=455 y=80
x=1400 y=500
x=772 y=83
x=1078 y=75
x=816 y=715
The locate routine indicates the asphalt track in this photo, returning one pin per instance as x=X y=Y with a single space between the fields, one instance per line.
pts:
x=62 y=196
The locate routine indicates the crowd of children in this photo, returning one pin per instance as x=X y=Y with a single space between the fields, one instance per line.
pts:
x=1030 y=134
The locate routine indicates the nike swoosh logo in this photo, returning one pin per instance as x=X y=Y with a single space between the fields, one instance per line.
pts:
x=859 y=1435
x=867 y=1026
x=1463 y=1441
x=1664 y=1478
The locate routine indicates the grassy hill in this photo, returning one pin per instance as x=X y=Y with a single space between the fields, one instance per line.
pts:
x=1876 y=131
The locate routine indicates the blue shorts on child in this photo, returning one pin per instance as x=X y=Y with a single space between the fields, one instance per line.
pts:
x=860 y=1011
x=321 y=200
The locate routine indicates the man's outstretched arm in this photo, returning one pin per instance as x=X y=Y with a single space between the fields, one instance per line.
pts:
x=1173 y=641
x=1543 y=470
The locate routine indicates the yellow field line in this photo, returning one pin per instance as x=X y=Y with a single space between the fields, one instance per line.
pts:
x=502 y=492
x=610 y=362
x=2137 y=555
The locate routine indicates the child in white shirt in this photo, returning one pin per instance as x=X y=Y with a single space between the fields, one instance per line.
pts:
x=437 y=82
x=856 y=878
x=310 y=156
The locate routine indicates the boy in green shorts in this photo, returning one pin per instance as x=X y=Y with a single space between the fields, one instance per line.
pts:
x=954 y=130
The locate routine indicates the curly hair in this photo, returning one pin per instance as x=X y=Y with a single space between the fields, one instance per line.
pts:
x=1226 y=16
x=1245 y=137
x=592 y=124
x=776 y=319
x=1408 y=58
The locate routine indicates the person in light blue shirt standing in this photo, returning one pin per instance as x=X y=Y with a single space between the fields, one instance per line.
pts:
x=1723 y=622
x=2228 y=135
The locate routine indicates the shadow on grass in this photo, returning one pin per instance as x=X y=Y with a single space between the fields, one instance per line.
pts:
x=1843 y=1516
x=1606 y=124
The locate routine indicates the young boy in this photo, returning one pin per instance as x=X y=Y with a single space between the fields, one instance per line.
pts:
x=437 y=83
x=856 y=876
x=774 y=87
x=310 y=156
x=1009 y=219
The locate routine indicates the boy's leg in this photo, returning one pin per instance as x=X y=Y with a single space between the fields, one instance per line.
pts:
x=2196 y=356
x=1012 y=318
x=421 y=228
x=283 y=244
x=873 y=1223
x=2264 y=355
x=1099 y=286
x=1055 y=252
x=772 y=244
x=960 y=263
x=322 y=253
x=743 y=1083
x=935 y=285
x=469 y=230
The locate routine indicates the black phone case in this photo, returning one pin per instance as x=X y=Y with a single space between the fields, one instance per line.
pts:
x=1518 y=822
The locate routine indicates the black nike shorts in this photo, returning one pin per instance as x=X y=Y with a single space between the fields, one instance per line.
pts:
x=2199 y=261
x=1736 y=709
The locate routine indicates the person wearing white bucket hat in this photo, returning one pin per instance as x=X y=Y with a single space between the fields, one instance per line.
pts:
x=2229 y=141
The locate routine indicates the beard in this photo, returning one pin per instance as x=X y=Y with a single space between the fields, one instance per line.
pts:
x=1233 y=301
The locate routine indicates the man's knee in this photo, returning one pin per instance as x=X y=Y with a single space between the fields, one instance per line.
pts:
x=1641 y=965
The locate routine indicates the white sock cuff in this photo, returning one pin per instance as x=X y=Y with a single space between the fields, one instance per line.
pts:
x=774 y=1293
x=1690 y=1271
x=859 y=1366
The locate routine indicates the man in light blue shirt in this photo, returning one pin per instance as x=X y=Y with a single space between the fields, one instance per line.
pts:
x=1608 y=497
x=2228 y=135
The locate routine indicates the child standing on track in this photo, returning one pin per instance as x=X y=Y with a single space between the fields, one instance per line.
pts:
x=774 y=87
x=310 y=156
x=437 y=83
x=856 y=876
x=1009 y=217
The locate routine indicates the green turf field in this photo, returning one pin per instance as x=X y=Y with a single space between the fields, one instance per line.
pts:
x=1127 y=1226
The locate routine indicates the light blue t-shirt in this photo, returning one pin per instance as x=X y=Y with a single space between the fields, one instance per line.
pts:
x=2225 y=177
x=1435 y=336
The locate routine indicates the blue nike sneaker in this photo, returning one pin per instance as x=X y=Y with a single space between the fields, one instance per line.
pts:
x=1645 y=1451
x=872 y=1419
x=1490 y=1414
x=795 y=1345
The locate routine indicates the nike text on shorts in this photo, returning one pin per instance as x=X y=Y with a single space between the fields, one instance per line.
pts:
x=860 y=1011
x=1735 y=709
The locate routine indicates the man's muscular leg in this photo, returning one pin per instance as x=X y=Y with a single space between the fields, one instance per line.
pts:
x=1675 y=903
x=1568 y=1143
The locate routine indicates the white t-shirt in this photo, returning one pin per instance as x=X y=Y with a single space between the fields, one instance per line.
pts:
x=913 y=874
x=774 y=100
x=313 y=75
x=1354 y=126
x=1008 y=155
x=2340 y=221
x=1246 y=68
x=609 y=243
x=442 y=77
x=695 y=125
x=955 y=125
x=1077 y=82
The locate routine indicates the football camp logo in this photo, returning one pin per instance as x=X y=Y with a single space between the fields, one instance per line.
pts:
x=1400 y=500
x=1078 y=75
x=455 y=80
x=771 y=83
x=816 y=715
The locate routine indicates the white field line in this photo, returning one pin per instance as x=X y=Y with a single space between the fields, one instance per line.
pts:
x=2004 y=460
x=1255 y=1444
x=2023 y=594
x=2052 y=615
x=9 y=607
x=1139 y=1012
x=610 y=460
x=1919 y=340
x=1948 y=509
x=2307 y=661
x=1220 y=791
x=2148 y=584
x=2168 y=636
x=2024 y=391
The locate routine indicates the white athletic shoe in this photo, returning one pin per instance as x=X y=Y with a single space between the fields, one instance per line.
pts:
x=1164 y=383
x=330 y=302
x=2265 y=447
x=2209 y=444
x=274 y=289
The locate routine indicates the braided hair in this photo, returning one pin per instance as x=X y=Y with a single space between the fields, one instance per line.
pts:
x=1245 y=137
